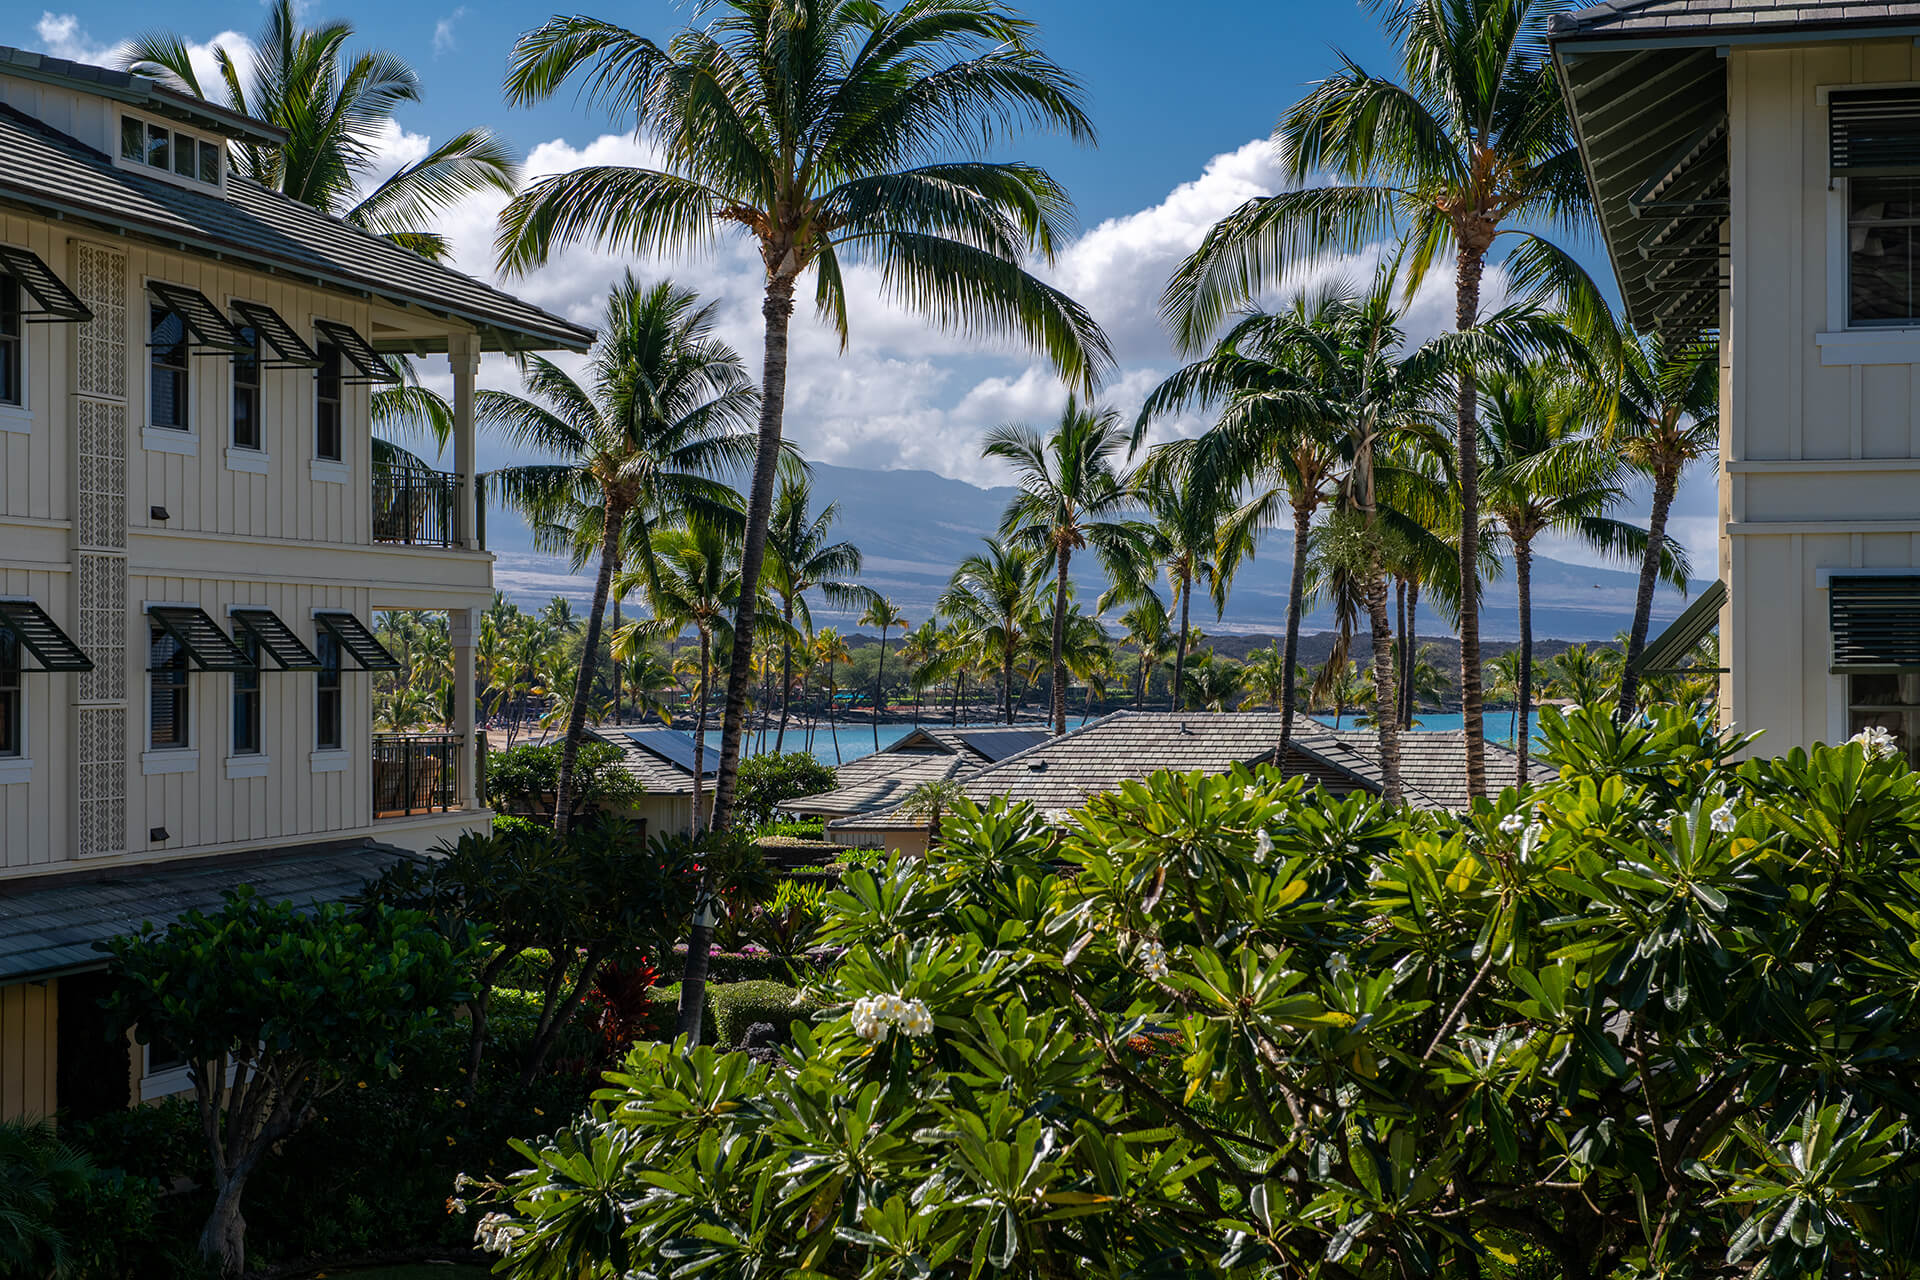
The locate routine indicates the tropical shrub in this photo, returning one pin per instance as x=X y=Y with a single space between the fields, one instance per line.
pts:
x=274 y=1008
x=787 y=925
x=521 y=780
x=63 y=1215
x=1657 y=1018
x=769 y=778
x=737 y=1006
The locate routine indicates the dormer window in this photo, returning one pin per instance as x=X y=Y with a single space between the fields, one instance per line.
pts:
x=173 y=151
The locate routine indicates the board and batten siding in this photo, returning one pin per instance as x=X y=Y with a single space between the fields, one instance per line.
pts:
x=29 y=1040
x=1820 y=438
x=35 y=817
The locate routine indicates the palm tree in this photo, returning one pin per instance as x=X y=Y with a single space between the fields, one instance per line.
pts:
x=799 y=559
x=1471 y=144
x=1214 y=684
x=1069 y=498
x=1665 y=406
x=662 y=411
x=930 y=800
x=1148 y=631
x=1586 y=676
x=918 y=647
x=1268 y=677
x=1338 y=683
x=834 y=129
x=829 y=648
x=1543 y=473
x=991 y=597
x=648 y=679
x=334 y=108
x=881 y=613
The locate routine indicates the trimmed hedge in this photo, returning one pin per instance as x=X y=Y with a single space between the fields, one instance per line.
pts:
x=739 y=1005
x=669 y=997
x=738 y=966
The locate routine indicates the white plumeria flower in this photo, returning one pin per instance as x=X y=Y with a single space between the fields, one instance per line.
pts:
x=1262 y=847
x=868 y=1022
x=873 y=1016
x=1535 y=830
x=1249 y=793
x=1878 y=742
x=456 y=1205
x=1153 y=960
x=1514 y=823
x=1058 y=817
x=916 y=1021
x=1722 y=819
x=461 y=1182
x=496 y=1231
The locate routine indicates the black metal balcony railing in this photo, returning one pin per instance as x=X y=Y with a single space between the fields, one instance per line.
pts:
x=415 y=505
x=415 y=773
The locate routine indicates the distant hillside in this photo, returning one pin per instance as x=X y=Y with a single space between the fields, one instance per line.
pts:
x=914 y=526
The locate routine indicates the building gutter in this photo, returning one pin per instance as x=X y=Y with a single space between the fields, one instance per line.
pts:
x=1723 y=38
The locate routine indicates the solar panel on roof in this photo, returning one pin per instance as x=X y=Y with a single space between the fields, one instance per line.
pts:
x=674 y=748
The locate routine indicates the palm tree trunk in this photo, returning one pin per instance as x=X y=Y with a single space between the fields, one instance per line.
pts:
x=618 y=677
x=1059 y=645
x=786 y=674
x=1179 y=692
x=1403 y=656
x=1665 y=481
x=777 y=309
x=959 y=685
x=1523 y=579
x=879 y=683
x=1471 y=261
x=1385 y=690
x=1302 y=530
x=589 y=659
x=1006 y=675
x=1409 y=628
x=700 y=726
x=833 y=729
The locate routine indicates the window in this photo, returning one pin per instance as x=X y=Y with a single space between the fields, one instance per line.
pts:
x=12 y=739
x=12 y=370
x=246 y=393
x=168 y=703
x=326 y=440
x=167 y=350
x=326 y=713
x=1890 y=702
x=246 y=699
x=1883 y=228
x=169 y=150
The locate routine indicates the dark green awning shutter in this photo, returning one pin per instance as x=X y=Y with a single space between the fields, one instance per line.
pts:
x=369 y=368
x=206 y=645
x=276 y=639
x=290 y=350
x=1665 y=652
x=209 y=331
x=1874 y=133
x=1876 y=624
x=56 y=304
x=355 y=639
x=40 y=636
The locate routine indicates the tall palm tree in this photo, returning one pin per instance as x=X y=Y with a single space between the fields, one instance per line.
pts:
x=1470 y=144
x=1214 y=683
x=334 y=107
x=662 y=410
x=882 y=614
x=825 y=130
x=1267 y=677
x=1544 y=473
x=991 y=598
x=829 y=649
x=1069 y=498
x=1149 y=632
x=919 y=647
x=799 y=559
x=1665 y=416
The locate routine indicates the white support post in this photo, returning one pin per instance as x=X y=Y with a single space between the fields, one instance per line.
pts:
x=461 y=630
x=463 y=353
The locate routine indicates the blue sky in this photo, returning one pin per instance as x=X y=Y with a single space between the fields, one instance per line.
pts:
x=1184 y=98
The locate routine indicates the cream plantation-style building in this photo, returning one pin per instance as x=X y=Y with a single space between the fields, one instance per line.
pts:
x=196 y=527
x=1757 y=171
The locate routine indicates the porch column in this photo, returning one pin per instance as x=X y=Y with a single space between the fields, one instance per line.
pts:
x=462 y=626
x=463 y=353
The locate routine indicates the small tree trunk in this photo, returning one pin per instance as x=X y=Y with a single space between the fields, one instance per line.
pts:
x=693 y=978
x=1059 y=645
x=1523 y=579
x=225 y=1236
x=1296 y=585
x=879 y=684
x=777 y=309
x=1006 y=675
x=1471 y=260
x=786 y=674
x=618 y=677
x=589 y=660
x=700 y=726
x=1665 y=481
x=1179 y=691
x=1385 y=690
x=1411 y=626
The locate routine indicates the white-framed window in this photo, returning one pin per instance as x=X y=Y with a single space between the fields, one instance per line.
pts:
x=328 y=733
x=13 y=723
x=169 y=356
x=247 y=431
x=164 y=148
x=13 y=346
x=246 y=739
x=169 y=695
x=328 y=444
x=1883 y=252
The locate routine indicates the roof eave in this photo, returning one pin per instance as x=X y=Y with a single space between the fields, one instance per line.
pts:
x=1814 y=32
x=150 y=95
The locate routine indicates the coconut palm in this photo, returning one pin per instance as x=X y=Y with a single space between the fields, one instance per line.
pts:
x=882 y=614
x=335 y=108
x=1147 y=629
x=799 y=560
x=991 y=597
x=1214 y=683
x=1664 y=416
x=930 y=800
x=663 y=409
x=1543 y=473
x=1471 y=144
x=828 y=649
x=1069 y=498
x=1583 y=675
x=918 y=647
x=1268 y=678
x=842 y=129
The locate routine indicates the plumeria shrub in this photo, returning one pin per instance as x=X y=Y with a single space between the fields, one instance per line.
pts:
x=1656 y=1018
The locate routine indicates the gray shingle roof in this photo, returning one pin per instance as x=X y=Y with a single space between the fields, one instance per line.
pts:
x=1670 y=18
x=881 y=780
x=656 y=771
x=140 y=91
x=49 y=172
x=49 y=923
x=1064 y=772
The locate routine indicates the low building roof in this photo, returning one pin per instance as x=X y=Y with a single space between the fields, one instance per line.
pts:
x=654 y=753
x=51 y=173
x=139 y=91
x=885 y=781
x=1721 y=19
x=1064 y=772
x=49 y=923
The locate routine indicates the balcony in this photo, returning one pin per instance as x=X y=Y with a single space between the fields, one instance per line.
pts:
x=415 y=506
x=416 y=773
